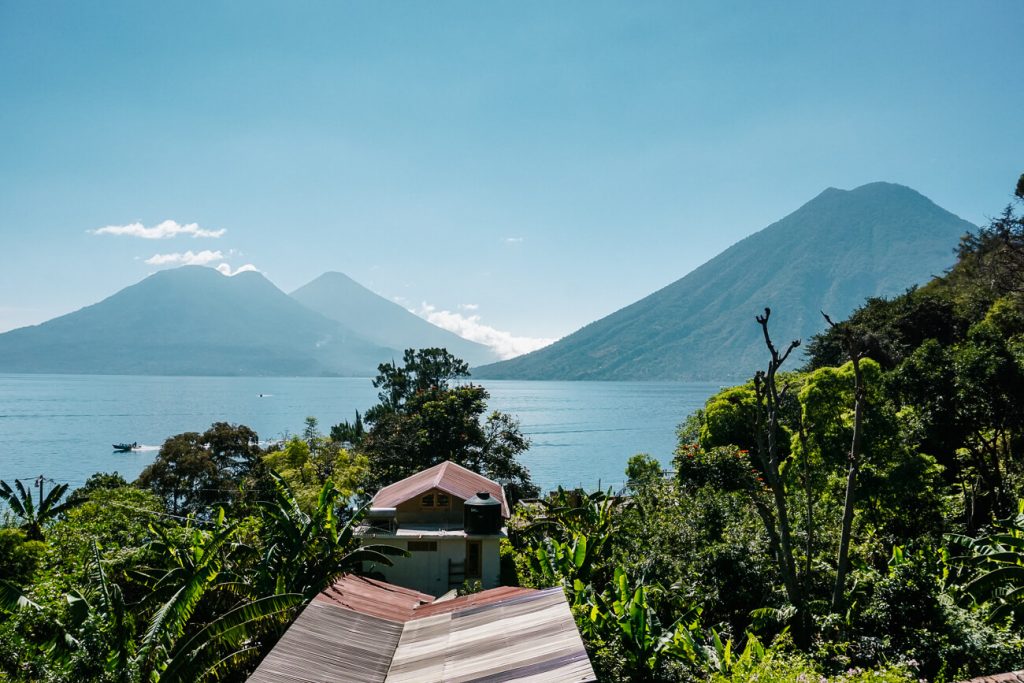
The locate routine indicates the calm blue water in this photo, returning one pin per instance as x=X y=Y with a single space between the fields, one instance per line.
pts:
x=62 y=426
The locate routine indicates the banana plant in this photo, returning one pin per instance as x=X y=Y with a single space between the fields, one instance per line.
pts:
x=34 y=514
x=625 y=611
x=305 y=552
x=570 y=542
x=999 y=562
x=102 y=628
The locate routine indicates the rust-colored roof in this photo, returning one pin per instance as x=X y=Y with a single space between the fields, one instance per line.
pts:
x=330 y=643
x=368 y=631
x=449 y=477
x=374 y=598
x=394 y=603
x=487 y=597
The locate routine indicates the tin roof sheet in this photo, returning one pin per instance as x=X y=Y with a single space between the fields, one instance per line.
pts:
x=331 y=643
x=447 y=476
x=365 y=630
x=529 y=637
x=374 y=598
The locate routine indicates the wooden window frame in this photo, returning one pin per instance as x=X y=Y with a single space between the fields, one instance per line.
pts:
x=435 y=504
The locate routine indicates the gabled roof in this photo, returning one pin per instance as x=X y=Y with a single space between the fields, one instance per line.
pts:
x=369 y=631
x=449 y=477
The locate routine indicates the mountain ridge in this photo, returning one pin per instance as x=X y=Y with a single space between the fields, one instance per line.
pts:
x=192 y=321
x=339 y=297
x=701 y=326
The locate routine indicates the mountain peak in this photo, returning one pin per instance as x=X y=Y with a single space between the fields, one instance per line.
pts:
x=830 y=254
x=339 y=297
x=871 y=192
x=193 y=320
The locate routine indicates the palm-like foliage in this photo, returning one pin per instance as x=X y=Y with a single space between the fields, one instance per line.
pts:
x=212 y=604
x=102 y=627
x=307 y=552
x=34 y=514
x=999 y=561
x=572 y=539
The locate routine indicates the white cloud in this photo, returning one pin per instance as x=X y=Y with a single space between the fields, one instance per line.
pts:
x=160 y=231
x=225 y=269
x=469 y=307
x=513 y=240
x=188 y=258
x=505 y=344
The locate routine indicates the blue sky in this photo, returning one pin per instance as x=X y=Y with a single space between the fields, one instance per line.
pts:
x=525 y=167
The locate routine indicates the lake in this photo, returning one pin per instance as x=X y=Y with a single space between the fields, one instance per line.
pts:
x=62 y=426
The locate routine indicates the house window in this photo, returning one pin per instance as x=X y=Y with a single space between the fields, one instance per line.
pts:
x=422 y=546
x=433 y=501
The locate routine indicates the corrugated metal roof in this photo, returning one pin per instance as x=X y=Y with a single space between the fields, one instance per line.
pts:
x=448 y=477
x=364 y=630
x=374 y=598
x=331 y=643
x=472 y=600
x=529 y=637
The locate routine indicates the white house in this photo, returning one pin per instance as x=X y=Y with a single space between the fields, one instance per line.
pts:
x=449 y=518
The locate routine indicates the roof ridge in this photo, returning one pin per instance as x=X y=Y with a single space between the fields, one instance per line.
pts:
x=441 y=471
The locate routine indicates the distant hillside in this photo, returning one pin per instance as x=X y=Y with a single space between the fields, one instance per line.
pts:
x=193 y=321
x=829 y=255
x=384 y=322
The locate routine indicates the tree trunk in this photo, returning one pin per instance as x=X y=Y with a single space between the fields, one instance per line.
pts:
x=769 y=399
x=843 y=560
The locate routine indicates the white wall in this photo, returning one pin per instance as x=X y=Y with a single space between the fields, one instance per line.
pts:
x=427 y=571
x=424 y=571
x=490 y=569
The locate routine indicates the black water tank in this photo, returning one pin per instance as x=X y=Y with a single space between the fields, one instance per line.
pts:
x=482 y=514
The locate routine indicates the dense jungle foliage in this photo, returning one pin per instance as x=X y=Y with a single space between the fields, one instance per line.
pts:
x=856 y=519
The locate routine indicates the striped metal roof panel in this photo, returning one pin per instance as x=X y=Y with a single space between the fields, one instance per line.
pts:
x=486 y=597
x=529 y=637
x=449 y=477
x=331 y=643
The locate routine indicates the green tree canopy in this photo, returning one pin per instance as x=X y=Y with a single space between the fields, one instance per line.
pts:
x=424 y=418
x=193 y=473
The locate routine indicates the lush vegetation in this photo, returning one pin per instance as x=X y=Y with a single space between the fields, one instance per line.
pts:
x=856 y=519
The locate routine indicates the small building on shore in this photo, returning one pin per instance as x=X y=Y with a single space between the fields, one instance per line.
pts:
x=450 y=520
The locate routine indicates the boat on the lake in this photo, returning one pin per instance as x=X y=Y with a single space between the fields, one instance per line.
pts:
x=126 y=447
